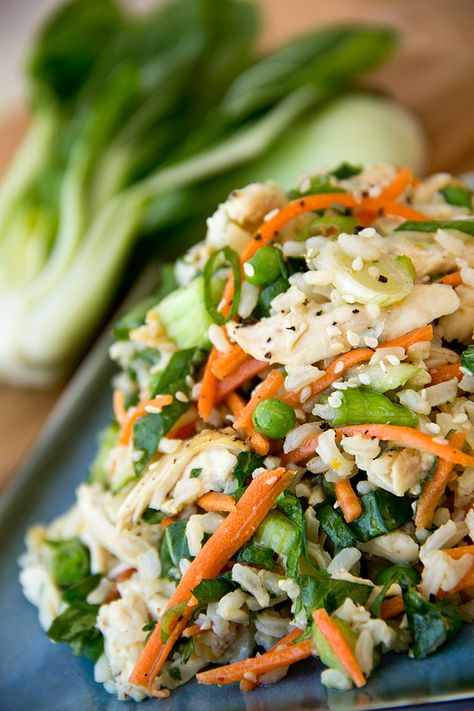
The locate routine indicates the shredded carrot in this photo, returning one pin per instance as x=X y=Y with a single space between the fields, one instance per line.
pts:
x=120 y=412
x=207 y=396
x=465 y=583
x=399 y=184
x=348 y=500
x=392 y=607
x=267 y=388
x=248 y=370
x=258 y=442
x=453 y=279
x=216 y=501
x=424 y=333
x=228 y=362
x=234 y=531
x=185 y=426
x=445 y=372
x=339 y=646
x=458 y=552
x=193 y=631
x=273 y=659
x=125 y=575
x=433 y=488
x=247 y=684
x=166 y=522
x=142 y=409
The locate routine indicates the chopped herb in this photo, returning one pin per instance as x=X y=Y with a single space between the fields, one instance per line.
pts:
x=346 y=170
x=175 y=673
x=467 y=359
x=80 y=590
x=195 y=472
x=247 y=462
x=212 y=590
x=149 y=627
x=153 y=516
x=76 y=626
x=466 y=226
x=457 y=195
x=174 y=547
x=69 y=561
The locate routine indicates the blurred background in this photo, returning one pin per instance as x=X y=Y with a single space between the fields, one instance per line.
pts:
x=429 y=73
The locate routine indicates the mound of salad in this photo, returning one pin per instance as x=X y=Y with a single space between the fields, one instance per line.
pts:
x=289 y=469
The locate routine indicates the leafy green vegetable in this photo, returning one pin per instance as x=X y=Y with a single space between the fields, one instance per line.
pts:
x=320 y=590
x=334 y=526
x=281 y=536
x=69 y=561
x=247 y=462
x=185 y=648
x=389 y=576
x=457 y=195
x=76 y=627
x=359 y=406
x=178 y=367
x=431 y=623
x=175 y=673
x=382 y=512
x=268 y=293
x=133 y=318
x=107 y=440
x=79 y=590
x=467 y=359
x=184 y=315
x=174 y=547
x=194 y=473
x=212 y=590
x=257 y=555
x=152 y=516
x=149 y=627
x=317 y=185
x=346 y=170
x=466 y=226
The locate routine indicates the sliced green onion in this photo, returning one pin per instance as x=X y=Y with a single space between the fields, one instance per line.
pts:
x=466 y=226
x=264 y=267
x=467 y=359
x=170 y=616
x=408 y=264
x=458 y=195
x=273 y=418
x=223 y=256
x=328 y=225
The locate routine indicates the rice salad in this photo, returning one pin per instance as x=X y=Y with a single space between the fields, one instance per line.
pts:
x=289 y=469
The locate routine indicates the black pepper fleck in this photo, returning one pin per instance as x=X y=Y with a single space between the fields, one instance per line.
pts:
x=268 y=355
x=383 y=279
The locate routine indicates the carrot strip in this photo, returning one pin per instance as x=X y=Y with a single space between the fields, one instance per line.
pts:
x=125 y=575
x=165 y=522
x=241 y=375
x=399 y=184
x=453 y=279
x=258 y=442
x=140 y=410
x=229 y=361
x=466 y=583
x=458 y=552
x=207 y=395
x=273 y=659
x=433 y=488
x=216 y=501
x=392 y=607
x=424 y=333
x=247 y=684
x=348 y=500
x=193 y=630
x=339 y=646
x=120 y=412
x=267 y=388
x=234 y=531
x=445 y=372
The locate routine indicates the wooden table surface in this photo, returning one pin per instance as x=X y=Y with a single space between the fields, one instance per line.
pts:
x=431 y=73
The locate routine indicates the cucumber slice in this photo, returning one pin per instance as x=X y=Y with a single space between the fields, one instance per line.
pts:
x=394 y=376
x=277 y=533
x=184 y=316
x=385 y=281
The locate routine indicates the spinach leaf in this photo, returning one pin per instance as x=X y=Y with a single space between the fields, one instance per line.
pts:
x=334 y=526
x=320 y=590
x=346 y=170
x=174 y=547
x=153 y=516
x=76 y=627
x=69 y=561
x=466 y=226
x=185 y=648
x=382 y=512
x=458 y=195
x=387 y=577
x=247 y=462
x=256 y=554
x=178 y=367
x=212 y=590
x=268 y=293
x=430 y=623
x=79 y=591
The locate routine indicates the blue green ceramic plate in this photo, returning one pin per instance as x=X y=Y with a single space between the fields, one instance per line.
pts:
x=39 y=676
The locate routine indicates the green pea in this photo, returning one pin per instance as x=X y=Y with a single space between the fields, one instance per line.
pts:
x=273 y=418
x=264 y=267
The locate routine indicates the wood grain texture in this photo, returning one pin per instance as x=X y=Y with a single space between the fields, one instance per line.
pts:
x=431 y=73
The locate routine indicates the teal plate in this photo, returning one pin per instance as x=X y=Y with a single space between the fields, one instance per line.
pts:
x=37 y=675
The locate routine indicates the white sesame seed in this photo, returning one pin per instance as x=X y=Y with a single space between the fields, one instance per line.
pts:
x=358 y=264
x=375 y=191
x=333 y=330
x=371 y=342
x=339 y=385
x=305 y=393
x=373 y=310
x=339 y=367
x=373 y=272
x=270 y=215
x=364 y=378
x=349 y=298
x=181 y=396
x=305 y=185
x=152 y=409
x=461 y=417
x=335 y=400
x=440 y=440
x=367 y=232
x=393 y=360
x=189 y=381
x=433 y=427
x=353 y=338
x=337 y=346
x=249 y=269
x=383 y=366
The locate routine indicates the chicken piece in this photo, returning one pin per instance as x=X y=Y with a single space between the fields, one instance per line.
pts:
x=460 y=324
x=423 y=305
x=167 y=484
x=406 y=471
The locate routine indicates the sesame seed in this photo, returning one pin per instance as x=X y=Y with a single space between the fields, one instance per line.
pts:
x=152 y=409
x=358 y=264
x=339 y=367
x=339 y=385
x=461 y=417
x=440 y=440
x=305 y=393
x=335 y=400
x=433 y=427
x=333 y=330
x=181 y=396
x=373 y=272
x=367 y=232
x=305 y=185
x=371 y=342
x=383 y=367
x=270 y=215
x=353 y=338
x=349 y=298
x=364 y=378
x=249 y=269
x=393 y=360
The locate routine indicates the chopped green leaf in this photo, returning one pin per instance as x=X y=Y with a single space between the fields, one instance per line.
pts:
x=174 y=547
x=247 y=462
x=149 y=627
x=177 y=368
x=195 y=472
x=79 y=591
x=152 y=516
x=268 y=293
x=255 y=554
x=431 y=623
x=185 y=648
x=69 y=561
x=389 y=576
x=458 y=195
x=346 y=170
x=382 y=512
x=320 y=590
x=175 y=673
x=466 y=226
x=334 y=526
x=467 y=359
x=212 y=590
x=76 y=627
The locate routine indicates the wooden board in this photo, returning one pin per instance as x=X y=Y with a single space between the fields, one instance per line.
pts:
x=431 y=73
